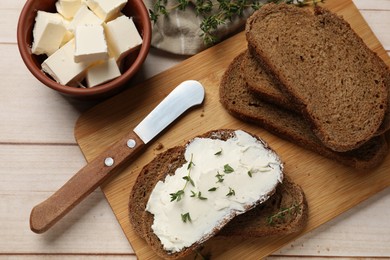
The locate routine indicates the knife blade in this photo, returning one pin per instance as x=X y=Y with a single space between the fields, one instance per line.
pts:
x=44 y=215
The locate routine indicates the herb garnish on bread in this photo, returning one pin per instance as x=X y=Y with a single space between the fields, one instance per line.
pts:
x=166 y=164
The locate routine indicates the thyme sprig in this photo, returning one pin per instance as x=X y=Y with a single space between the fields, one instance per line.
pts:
x=198 y=195
x=231 y=192
x=186 y=217
x=227 y=168
x=219 y=177
x=217 y=13
x=283 y=213
x=219 y=152
x=266 y=168
x=180 y=193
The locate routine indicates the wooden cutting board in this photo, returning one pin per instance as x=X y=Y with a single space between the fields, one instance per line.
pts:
x=331 y=188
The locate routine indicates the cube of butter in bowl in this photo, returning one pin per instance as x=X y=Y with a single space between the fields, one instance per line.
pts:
x=87 y=49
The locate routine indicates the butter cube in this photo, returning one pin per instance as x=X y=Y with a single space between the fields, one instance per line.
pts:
x=106 y=9
x=90 y=43
x=62 y=67
x=67 y=37
x=102 y=72
x=122 y=36
x=48 y=33
x=83 y=16
x=68 y=8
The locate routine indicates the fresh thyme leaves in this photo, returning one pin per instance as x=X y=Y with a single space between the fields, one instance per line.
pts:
x=188 y=179
x=219 y=177
x=304 y=2
x=198 y=195
x=231 y=192
x=191 y=163
x=201 y=197
x=227 y=168
x=213 y=189
x=216 y=13
x=219 y=152
x=282 y=214
x=186 y=217
x=178 y=195
x=266 y=168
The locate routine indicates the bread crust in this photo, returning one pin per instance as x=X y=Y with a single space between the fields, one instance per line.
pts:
x=326 y=68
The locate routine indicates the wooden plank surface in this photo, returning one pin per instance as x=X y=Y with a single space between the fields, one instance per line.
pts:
x=331 y=188
x=38 y=154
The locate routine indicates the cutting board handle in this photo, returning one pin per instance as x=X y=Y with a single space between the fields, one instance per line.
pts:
x=47 y=213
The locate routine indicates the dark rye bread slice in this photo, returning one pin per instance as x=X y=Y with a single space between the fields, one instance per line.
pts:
x=336 y=80
x=284 y=213
x=262 y=84
x=243 y=104
x=166 y=163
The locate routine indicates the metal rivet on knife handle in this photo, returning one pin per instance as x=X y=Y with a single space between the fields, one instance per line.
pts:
x=131 y=143
x=109 y=162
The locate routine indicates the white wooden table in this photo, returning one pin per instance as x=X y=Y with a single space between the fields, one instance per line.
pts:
x=38 y=153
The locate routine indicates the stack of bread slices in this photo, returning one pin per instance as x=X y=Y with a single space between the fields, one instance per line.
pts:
x=309 y=78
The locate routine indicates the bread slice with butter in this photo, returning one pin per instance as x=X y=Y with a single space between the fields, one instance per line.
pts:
x=224 y=185
x=337 y=81
x=243 y=104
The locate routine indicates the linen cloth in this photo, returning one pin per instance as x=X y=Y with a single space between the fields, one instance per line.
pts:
x=180 y=32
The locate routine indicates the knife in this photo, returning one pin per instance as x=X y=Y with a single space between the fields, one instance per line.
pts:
x=44 y=215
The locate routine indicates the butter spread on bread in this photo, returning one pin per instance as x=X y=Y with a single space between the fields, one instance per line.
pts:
x=220 y=179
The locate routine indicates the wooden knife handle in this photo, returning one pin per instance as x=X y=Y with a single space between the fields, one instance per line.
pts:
x=47 y=213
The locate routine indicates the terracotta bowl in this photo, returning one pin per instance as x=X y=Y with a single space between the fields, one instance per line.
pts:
x=131 y=64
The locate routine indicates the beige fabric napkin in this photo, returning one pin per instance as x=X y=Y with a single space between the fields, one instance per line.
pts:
x=179 y=32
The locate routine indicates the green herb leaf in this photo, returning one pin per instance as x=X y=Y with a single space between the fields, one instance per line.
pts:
x=219 y=177
x=213 y=189
x=201 y=197
x=191 y=163
x=188 y=179
x=283 y=213
x=198 y=195
x=231 y=192
x=186 y=217
x=177 y=195
x=227 y=168
x=219 y=152
x=250 y=173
